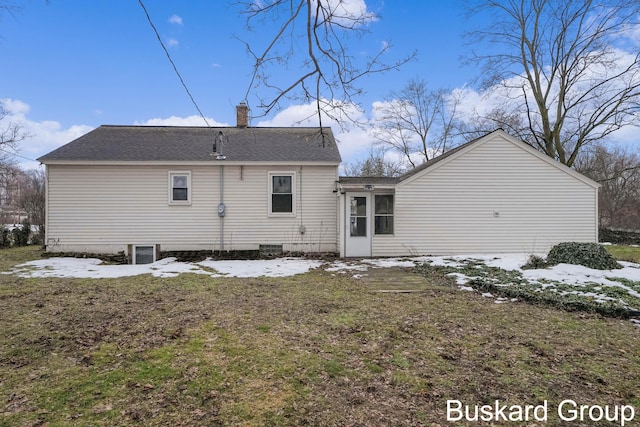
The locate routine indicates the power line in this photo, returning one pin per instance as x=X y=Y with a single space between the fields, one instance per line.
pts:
x=17 y=155
x=172 y=63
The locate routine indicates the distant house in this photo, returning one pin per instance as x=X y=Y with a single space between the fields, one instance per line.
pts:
x=142 y=190
x=13 y=181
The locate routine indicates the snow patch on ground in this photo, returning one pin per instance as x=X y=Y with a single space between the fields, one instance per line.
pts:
x=391 y=262
x=344 y=266
x=90 y=268
x=281 y=267
x=579 y=275
x=546 y=279
x=595 y=281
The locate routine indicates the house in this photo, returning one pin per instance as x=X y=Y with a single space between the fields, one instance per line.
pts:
x=13 y=182
x=494 y=194
x=143 y=190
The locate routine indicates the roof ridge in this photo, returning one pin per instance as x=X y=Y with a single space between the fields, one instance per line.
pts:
x=214 y=127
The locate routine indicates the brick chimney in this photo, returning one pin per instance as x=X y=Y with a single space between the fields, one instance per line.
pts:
x=242 y=115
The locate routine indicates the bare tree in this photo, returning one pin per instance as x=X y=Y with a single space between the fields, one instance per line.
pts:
x=416 y=122
x=377 y=164
x=11 y=133
x=618 y=171
x=314 y=36
x=478 y=124
x=32 y=200
x=564 y=65
x=12 y=7
x=9 y=7
x=12 y=182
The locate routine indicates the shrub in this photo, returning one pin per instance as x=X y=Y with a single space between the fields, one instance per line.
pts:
x=563 y=302
x=590 y=255
x=619 y=237
x=535 y=261
x=21 y=234
x=5 y=241
x=37 y=238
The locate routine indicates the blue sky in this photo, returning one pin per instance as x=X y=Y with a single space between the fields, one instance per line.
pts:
x=70 y=66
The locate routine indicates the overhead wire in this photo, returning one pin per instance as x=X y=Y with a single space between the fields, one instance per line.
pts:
x=175 y=68
x=17 y=155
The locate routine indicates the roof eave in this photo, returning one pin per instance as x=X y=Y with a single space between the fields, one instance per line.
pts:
x=185 y=162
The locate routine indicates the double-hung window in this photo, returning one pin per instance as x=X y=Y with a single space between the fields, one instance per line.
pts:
x=179 y=188
x=383 y=214
x=282 y=199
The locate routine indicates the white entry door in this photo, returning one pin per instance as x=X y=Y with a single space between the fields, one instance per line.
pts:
x=358 y=225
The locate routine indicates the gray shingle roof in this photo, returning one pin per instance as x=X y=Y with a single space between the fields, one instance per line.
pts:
x=181 y=143
x=375 y=180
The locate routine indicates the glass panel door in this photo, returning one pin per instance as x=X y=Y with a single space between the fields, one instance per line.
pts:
x=358 y=224
x=358 y=218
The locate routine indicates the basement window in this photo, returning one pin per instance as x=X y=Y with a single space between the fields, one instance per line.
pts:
x=179 y=188
x=144 y=254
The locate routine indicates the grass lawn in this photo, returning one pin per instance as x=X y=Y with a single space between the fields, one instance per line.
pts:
x=625 y=253
x=315 y=349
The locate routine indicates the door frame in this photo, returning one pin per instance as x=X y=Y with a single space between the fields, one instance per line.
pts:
x=357 y=246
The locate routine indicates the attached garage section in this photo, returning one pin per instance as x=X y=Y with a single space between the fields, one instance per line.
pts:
x=492 y=195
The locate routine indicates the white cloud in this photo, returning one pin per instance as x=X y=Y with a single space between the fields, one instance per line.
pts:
x=175 y=19
x=15 y=107
x=346 y=12
x=193 y=120
x=171 y=42
x=46 y=136
x=353 y=141
x=508 y=96
x=354 y=144
x=43 y=137
x=294 y=115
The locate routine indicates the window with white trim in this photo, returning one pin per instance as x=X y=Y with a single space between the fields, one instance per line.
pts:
x=383 y=215
x=282 y=195
x=179 y=188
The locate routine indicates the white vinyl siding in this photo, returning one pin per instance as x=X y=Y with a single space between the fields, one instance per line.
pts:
x=248 y=222
x=494 y=198
x=104 y=208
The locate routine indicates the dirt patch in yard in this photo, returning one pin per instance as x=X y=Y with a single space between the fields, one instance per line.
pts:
x=75 y=318
x=398 y=279
x=314 y=349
